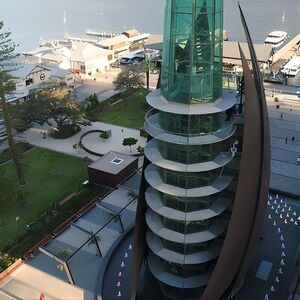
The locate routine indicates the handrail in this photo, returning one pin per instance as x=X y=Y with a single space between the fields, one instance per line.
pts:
x=151 y=123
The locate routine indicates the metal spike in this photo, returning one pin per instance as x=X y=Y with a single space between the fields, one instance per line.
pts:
x=272 y=289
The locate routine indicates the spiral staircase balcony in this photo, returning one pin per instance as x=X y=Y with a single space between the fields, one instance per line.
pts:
x=154 y=179
x=158 y=270
x=156 y=225
x=157 y=101
x=155 y=203
x=199 y=257
x=153 y=154
x=153 y=128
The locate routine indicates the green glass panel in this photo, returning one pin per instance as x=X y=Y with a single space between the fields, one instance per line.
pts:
x=191 y=124
x=192 y=56
x=189 y=154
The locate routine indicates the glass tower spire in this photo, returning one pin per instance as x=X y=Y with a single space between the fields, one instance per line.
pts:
x=190 y=179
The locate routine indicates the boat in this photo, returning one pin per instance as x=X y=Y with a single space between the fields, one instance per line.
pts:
x=292 y=67
x=276 y=38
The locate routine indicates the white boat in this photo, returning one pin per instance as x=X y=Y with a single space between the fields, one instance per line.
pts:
x=276 y=38
x=292 y=67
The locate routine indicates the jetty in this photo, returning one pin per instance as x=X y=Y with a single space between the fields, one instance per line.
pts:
x=285 y=53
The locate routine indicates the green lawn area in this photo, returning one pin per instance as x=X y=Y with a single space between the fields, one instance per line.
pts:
x=50 y=177
x=128 y=113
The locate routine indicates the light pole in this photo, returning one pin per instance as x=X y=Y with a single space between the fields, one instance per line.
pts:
x=18 y=222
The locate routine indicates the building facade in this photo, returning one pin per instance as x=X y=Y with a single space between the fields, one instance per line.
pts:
x=192 y=192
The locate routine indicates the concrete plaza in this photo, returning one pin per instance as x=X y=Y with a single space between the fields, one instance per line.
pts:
x=91 y=141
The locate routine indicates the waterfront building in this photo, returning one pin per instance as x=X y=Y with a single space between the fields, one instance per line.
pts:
x=206 y=173
x=79 y=57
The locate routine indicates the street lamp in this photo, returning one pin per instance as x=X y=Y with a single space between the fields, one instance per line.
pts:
x=18 y=222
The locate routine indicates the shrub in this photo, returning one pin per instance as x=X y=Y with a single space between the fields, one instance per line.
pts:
x=104 y=135
x=66 y=131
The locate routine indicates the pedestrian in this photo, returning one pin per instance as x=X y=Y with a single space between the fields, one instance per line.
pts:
x=281 y=117
x=293 y=139
x=298 y=160
x=286 y=139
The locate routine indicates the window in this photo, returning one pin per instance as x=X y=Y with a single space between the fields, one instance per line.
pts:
x=29 y=81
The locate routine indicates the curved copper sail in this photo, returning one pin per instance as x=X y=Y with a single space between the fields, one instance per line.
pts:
x=251 y=196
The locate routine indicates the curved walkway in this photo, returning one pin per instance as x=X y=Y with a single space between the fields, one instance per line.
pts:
x=91 y=141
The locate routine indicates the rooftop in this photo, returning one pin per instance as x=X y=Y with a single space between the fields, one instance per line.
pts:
x=112 y=162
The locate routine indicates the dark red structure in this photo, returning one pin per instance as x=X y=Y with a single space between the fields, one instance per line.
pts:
x=112 y=168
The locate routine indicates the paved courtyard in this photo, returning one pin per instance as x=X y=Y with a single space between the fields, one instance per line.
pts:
x=285 y=171
x=91 y=141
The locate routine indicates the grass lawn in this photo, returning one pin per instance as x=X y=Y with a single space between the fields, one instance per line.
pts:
x=128 y=113
x=21 y=148
x=50 y=177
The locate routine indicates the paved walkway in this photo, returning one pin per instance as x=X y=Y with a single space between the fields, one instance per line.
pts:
x=91 y=141
x=285 y=171
x=278 y=247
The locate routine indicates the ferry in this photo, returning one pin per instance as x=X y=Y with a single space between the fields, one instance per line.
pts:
x=292 y=67
x=276 y=38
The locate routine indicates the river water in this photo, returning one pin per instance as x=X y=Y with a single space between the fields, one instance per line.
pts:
x=32 y=19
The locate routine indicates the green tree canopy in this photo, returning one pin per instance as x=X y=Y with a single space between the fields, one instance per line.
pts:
x=7 y=85
x=148 y=66
x=129 y=78
x=52 y=106
x=129 y=142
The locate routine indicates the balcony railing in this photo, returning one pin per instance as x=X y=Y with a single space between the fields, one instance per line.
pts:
x=153 y=127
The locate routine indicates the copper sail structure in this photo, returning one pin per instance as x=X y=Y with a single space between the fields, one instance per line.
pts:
x=251 y=196
x=200 y=207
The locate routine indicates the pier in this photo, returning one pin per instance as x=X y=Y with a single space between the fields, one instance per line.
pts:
x=99 y=35
x=285 y=53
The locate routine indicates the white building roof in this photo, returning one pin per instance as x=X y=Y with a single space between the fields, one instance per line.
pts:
x=114 y=41
x=86 y=52
x=24 y=70
x=55 y=70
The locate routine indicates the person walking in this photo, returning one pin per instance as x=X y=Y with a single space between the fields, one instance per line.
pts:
x=298 y=160
x=293 y=139
x=286 y=139
x=281 y=116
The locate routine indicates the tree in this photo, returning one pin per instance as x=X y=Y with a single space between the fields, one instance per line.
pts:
x=91 y=106
x=129 y=78
x=148 y=66
x=7 y=85
x=91 y=102
x=129 y=142
x=52 y=106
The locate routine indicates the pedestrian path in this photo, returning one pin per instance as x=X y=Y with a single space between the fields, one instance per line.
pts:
x=91 y=141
